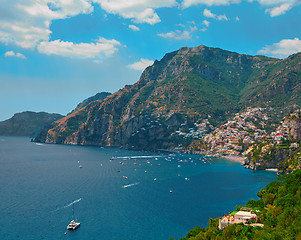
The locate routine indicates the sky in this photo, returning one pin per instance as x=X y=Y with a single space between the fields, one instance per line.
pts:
x=56 y=53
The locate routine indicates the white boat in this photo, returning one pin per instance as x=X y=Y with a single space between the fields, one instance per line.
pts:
x=73 y=225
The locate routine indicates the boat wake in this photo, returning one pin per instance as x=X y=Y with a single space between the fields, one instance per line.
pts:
x=137 y=157
x=40 y=144
x=70 y=204
x=130 y=185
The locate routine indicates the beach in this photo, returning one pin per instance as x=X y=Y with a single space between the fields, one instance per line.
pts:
x=234 y=158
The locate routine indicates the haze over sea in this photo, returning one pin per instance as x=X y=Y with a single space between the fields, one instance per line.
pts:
x=120 y=199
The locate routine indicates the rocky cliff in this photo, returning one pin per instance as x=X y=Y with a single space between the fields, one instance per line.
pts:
x=184 y=87
x=98 y=96
x=266 y=160
x=293 y=124
x=27 y=123
x=283 y=152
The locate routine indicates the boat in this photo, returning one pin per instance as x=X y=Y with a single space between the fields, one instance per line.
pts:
x=80 y=166
x=73 y=225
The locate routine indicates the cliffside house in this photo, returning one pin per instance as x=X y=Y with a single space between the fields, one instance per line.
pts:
x=238 y=217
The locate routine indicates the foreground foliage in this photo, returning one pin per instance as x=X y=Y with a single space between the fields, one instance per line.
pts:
x=279 y=209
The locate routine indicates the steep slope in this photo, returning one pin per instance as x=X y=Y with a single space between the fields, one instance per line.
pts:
x=278 y=209
x=185 y=86
x=27 y=123
x=99 y=96
x=281 y=150
x=279 y=83
x=293 y=125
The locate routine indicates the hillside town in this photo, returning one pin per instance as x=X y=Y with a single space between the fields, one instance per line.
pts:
x=246 y=128
x=237 y=136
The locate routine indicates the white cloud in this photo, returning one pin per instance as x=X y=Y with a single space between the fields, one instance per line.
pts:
x=222 y=17
x=148 y=15
x=283 y=48
x=280 y=10
x=56 y=9
x=134 y=28
x=102 y=47
x=178 y=34
x=189 y=3
x=13 y=54
x=22 y=33
x=207 y=13
x=180 y=25
x=277 y=7
x=141 y=65
x=140 y=11
x=25 y=23
x=274 y=3
x=206 y=23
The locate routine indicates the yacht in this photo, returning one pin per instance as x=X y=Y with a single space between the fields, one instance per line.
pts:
x=73 y=225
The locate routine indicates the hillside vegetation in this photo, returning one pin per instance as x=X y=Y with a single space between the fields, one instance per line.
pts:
x=98 y=96
x=279 y=209
x=27 y=123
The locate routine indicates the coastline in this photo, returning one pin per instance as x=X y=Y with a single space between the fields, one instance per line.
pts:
x=234 y=158
x=271 y=169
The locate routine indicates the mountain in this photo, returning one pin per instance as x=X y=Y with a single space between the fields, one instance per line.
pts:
x=185 y=87
x=27 y=123
x=98 y=96
x=279 y=84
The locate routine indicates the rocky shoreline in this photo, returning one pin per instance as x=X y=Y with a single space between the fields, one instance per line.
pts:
x=240 y=159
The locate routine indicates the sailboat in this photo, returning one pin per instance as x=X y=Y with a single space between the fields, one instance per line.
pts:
x=73 y=224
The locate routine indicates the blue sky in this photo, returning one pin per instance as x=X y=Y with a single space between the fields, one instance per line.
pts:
x=55 y=53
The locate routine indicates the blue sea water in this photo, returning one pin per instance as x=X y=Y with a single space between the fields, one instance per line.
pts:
x=119 y=198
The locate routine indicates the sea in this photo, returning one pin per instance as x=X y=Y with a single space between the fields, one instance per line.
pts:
x=116 y=193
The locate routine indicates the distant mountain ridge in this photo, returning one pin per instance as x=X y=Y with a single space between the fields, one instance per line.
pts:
x=184 y=87
x=27 y=123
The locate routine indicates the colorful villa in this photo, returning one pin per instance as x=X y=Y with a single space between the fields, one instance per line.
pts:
x=238 y=217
